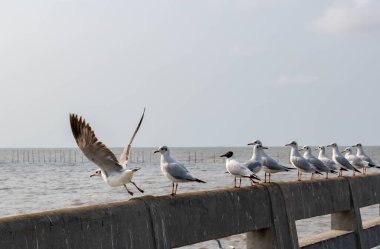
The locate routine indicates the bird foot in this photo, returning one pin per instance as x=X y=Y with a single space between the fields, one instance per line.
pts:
x=141 y=191
x=130 y=192
x=172 y=194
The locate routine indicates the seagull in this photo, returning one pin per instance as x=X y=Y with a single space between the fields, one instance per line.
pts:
x=318 y=164
x=255 y=163
x=299 y=162
x=113 y=171
x=237 y=169
x=270 y=165
x=360 y=153
x=175 y=171
x=340 y=160
x=355 y=160
x=327 y=161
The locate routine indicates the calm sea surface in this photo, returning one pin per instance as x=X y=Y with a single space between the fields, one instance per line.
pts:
x=33 y=180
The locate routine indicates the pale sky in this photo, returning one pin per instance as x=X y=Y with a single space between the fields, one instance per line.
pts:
x=209 y=72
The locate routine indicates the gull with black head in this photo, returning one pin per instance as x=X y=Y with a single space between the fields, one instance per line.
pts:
x=238 y=170
x=174 y=170
x=114 y=172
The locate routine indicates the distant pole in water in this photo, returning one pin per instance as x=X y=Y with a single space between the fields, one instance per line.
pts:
x=143 y=159
x=195 y=157
x=18 y=156
x=189 y=157
x=214 y=157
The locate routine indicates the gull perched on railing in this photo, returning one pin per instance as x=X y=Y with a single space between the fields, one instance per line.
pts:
x=355 y=160
x=113 y=171
x=360 y=153
x=173 y=170
x=270 y=165
x=301 y=163
x=318 y=164
x=327 y=161
x=340 y=160
x=237 y=169
x=255 y=163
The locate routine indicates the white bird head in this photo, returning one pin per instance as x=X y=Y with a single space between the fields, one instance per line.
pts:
x=255 y=142
x=305 y=148
x=333 y=145
x=162 y=150
x=96 y=173
x=347 y=150
x=292 y=144
x=320 y=147
x=358 y=145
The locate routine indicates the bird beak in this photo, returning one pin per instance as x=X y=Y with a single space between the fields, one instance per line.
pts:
x=328 y=145
x=316 y=148
x=265 y=148
x=93 y=175
x=156 y=151
x=224 y=155
x=354 y=145
x=250 y=144
x=287 y=144
x=343 y=151
x=301 y=149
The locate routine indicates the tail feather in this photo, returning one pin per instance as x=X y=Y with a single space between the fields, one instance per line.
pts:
x=198 y=180
x=317 y=172
x=290 y=168
x=253 y=176
x=357 y=170
x=344 y=169
x=333 y=171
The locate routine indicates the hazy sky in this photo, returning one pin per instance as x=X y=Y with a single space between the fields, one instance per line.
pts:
x=209 y=72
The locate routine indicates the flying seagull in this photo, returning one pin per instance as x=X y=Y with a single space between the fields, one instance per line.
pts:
x=175 y=171
x=113 y=171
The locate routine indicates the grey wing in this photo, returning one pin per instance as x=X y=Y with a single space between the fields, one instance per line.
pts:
x=318 y=164
x=179 y=171
x=91 y=147
x=303 y=164
x=272 y=164
x=344 y=162
x=329 y=163
x=253 y=165
x=123 y=160
x=369 y=160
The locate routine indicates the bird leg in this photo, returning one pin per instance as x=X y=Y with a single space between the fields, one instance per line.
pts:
x=176 y=186
x=327 y=175
x=265 y=177
x=129 y=192
x=312 y=176
x=240 y=183
x=353 y=173
x=139 y=189
x=173 y=190
x=269 y=176
x=340 y=173
x=235 y=183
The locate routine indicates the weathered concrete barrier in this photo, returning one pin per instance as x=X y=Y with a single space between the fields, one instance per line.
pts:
x=266 y=212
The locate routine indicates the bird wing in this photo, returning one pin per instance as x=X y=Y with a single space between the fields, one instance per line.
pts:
x=329 y=163
x=123 y=160
x=91 y=147
x=253 y=165
x=179 y=171
x=302 y=163
x=344 y=162
x=318 y=164
x=272 y=164
x=236 y=168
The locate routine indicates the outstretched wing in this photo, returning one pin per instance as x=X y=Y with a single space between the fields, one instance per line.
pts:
x=91 y=147
x=123 y=160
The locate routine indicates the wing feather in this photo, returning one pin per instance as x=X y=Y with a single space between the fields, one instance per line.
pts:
x=123 y=160
x=91 y=147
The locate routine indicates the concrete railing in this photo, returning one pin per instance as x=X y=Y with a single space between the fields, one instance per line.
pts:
x=266 y=212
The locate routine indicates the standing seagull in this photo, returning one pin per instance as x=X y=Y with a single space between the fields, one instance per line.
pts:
x=270 y=165
x=175 y=171
x=355 y=160
x=299 y=162
x=255 y=163
x=237 y=169
x=318 y=164
x=360 y=153
x=327 y=161
x=340 y=160
x=113 y=171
